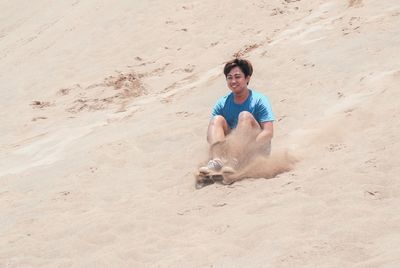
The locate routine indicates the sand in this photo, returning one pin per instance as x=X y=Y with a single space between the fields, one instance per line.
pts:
x=104 y=107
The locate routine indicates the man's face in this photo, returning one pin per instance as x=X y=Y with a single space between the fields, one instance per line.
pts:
x=236 y=80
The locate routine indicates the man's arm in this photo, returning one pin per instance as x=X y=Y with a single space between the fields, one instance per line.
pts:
x=267 y=132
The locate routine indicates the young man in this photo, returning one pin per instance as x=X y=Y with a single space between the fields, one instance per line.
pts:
x=242 y=109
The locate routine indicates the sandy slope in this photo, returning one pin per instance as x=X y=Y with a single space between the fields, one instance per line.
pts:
x=104 y=107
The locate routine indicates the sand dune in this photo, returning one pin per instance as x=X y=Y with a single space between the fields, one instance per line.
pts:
x=104 y=108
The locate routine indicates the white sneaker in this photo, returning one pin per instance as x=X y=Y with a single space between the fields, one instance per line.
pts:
x=212 y=165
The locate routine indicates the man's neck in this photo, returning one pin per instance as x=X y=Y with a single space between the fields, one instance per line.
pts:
x=241 y=97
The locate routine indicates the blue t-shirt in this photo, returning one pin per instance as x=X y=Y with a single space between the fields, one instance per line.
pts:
x=257 y=104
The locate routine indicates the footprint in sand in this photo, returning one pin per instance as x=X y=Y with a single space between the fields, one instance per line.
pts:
x=333 y=147
x=114 y=91
x=371 y=162
x=63 y=196
x=188 y=69
x=64 y=91
x=221 y=229
x=281 y=118
x=93 y=169
x=355 y=3
x=277 y=11
x=214 y=44
x=41 y=104
x=245 y=50
x=184 y=114
x=38 y=118
x=373 y=194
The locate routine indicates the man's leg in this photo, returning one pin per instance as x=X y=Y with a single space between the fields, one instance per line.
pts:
x=217 y=130
x=216 y=133
x=248 y=126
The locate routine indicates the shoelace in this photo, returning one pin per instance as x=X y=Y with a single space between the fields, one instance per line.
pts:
x=214 y=164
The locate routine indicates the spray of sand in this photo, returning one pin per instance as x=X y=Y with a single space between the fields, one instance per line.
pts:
x=251 y=159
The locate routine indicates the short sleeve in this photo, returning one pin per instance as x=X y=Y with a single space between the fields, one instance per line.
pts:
x=264 y=110
x=217 y=109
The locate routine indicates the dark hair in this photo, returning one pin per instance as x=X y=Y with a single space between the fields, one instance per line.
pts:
x=243 y=65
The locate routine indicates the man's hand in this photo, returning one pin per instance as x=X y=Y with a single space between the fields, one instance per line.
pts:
x=266 y=134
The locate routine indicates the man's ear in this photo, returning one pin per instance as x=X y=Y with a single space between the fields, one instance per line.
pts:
x=248 y=79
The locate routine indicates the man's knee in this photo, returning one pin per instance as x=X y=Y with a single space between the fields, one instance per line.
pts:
x=246 y=117
x=218 y=120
